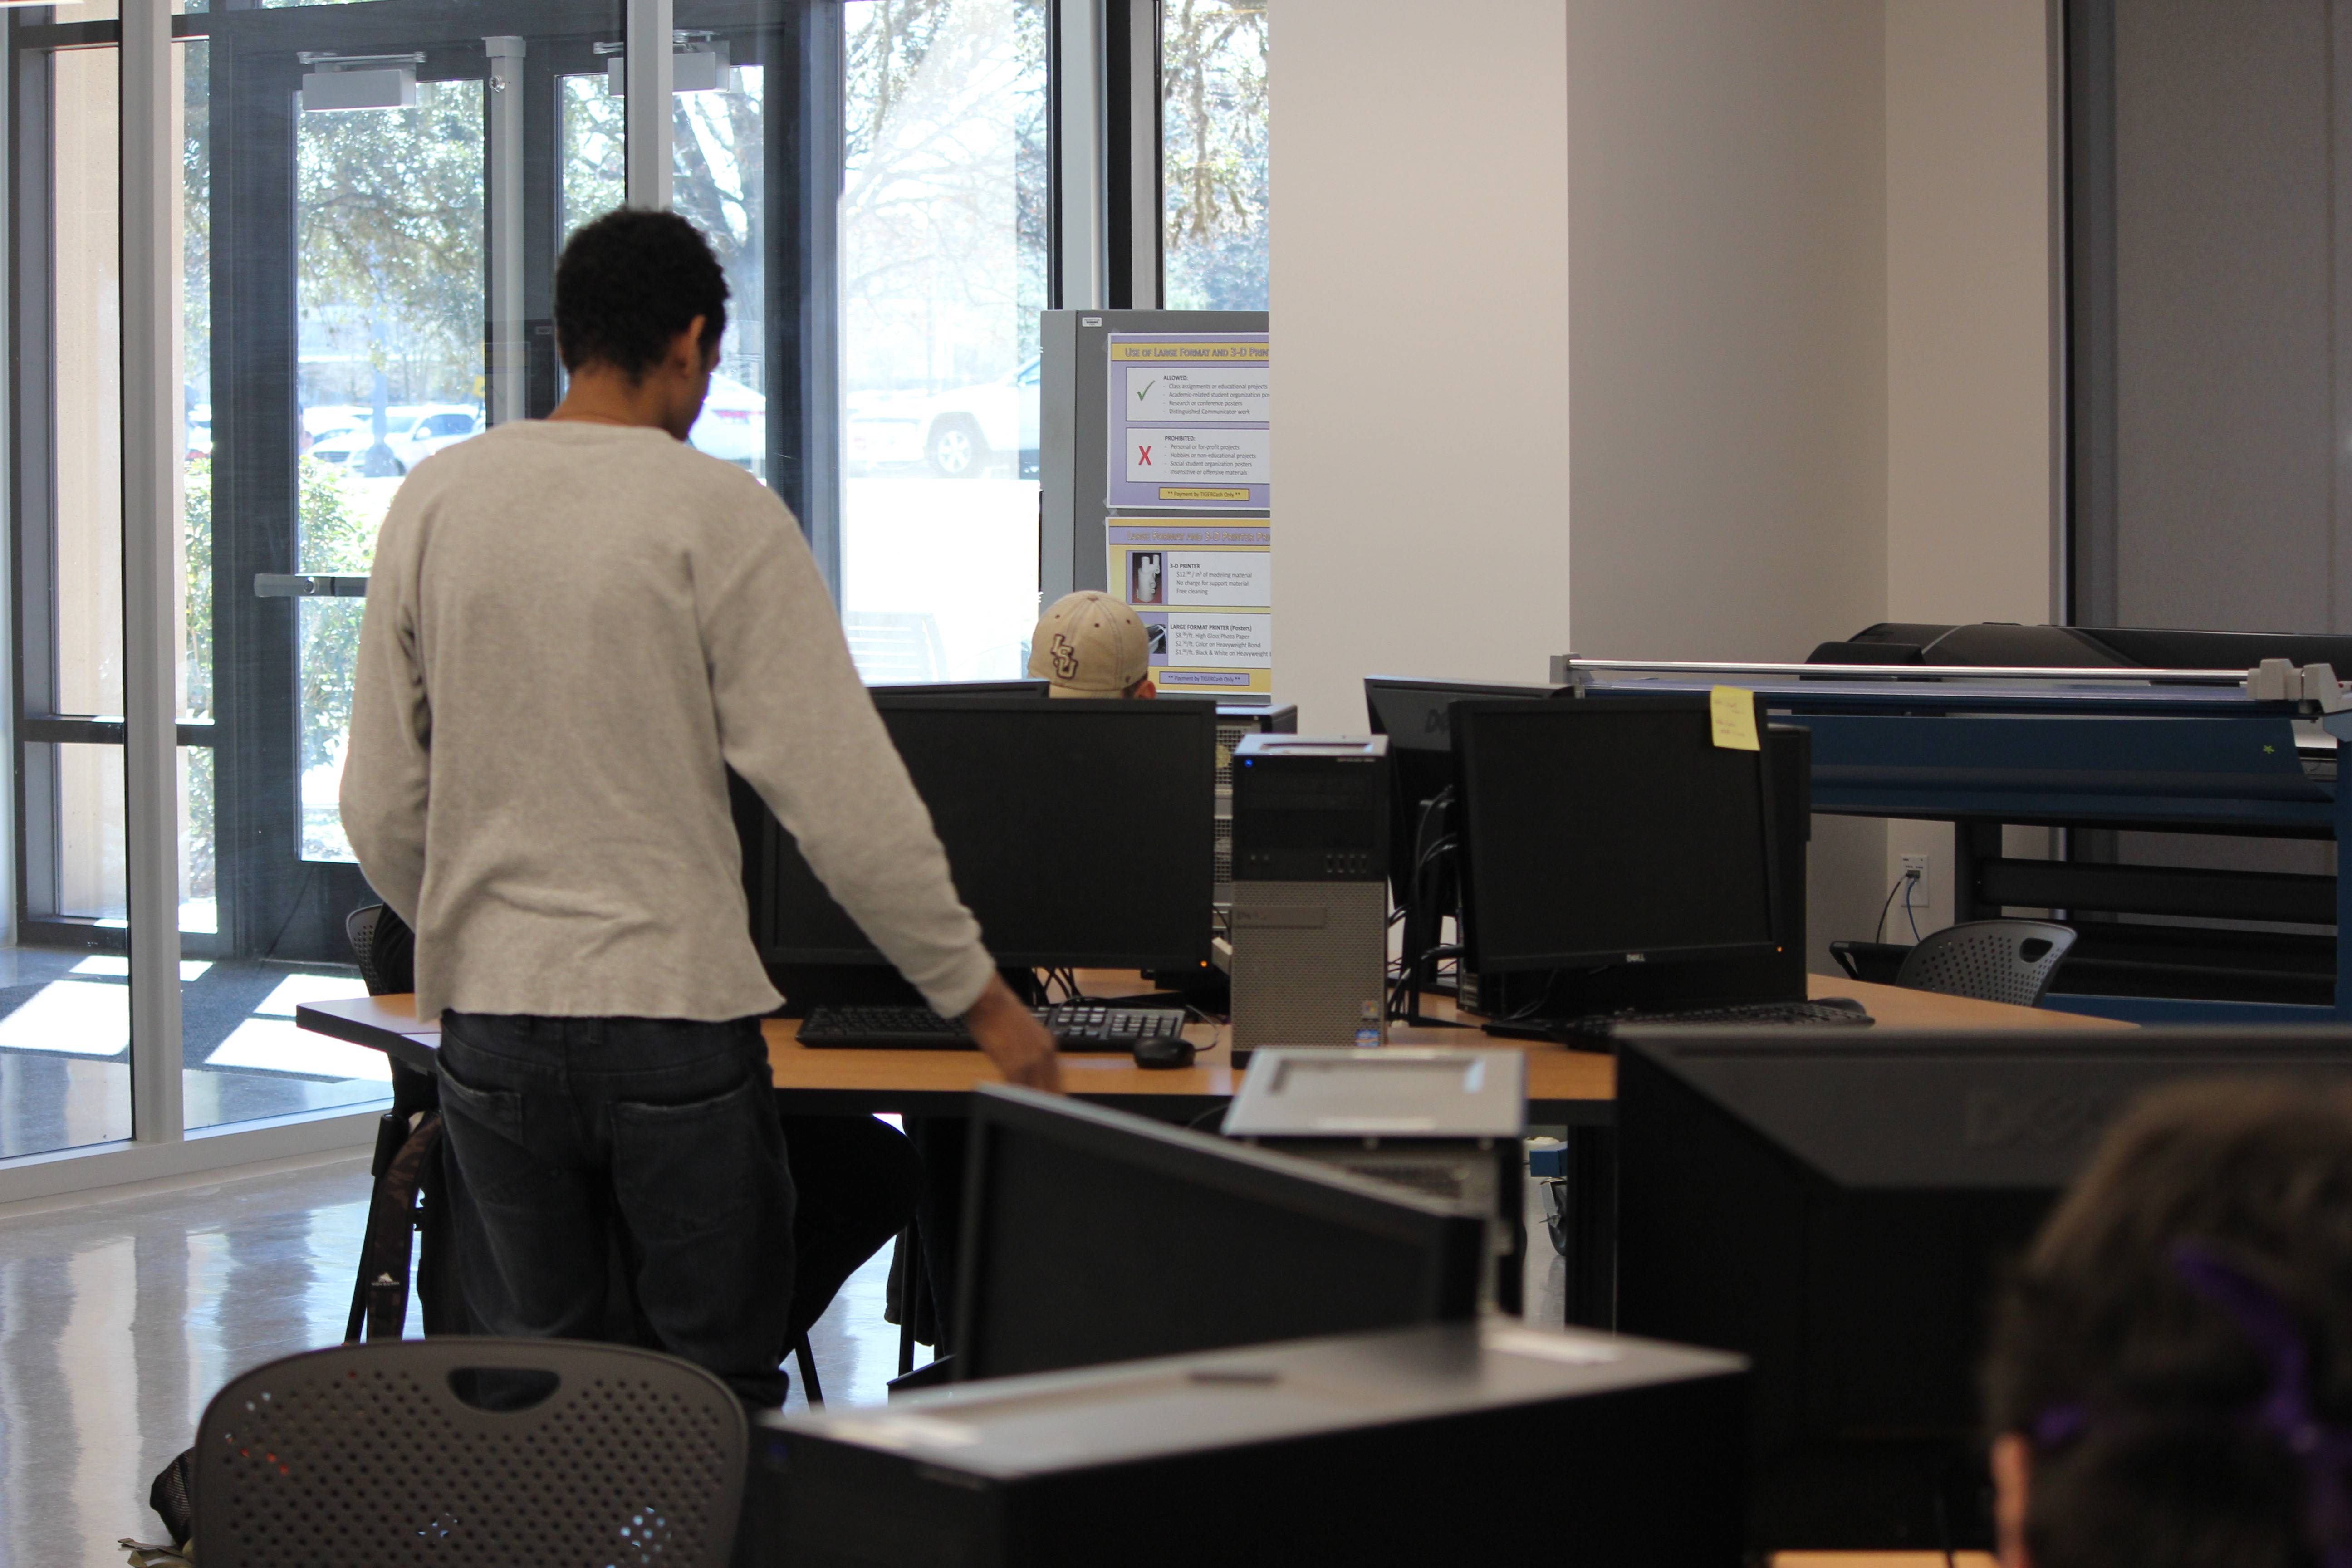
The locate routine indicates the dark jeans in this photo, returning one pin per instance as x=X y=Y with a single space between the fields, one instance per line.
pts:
x=651 y=1141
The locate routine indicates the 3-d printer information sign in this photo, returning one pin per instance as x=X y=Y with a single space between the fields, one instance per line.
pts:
x=1204 y=592
x=1191 y=421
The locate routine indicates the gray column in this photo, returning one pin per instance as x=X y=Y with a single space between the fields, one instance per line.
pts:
x=650 y=74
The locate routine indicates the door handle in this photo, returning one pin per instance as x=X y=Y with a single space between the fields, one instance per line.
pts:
x=298 y=586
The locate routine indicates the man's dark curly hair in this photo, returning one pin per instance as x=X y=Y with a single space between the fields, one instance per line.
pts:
x=630 y=282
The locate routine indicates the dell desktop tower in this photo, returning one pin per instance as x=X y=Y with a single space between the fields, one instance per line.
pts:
x=1310 y=892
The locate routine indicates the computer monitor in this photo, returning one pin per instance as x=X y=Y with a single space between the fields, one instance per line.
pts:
x=1091 y=1235
x=1596 y=833
x=1414 y=714
x=1080 y=832
x=1838 y=1206
x=962 y=688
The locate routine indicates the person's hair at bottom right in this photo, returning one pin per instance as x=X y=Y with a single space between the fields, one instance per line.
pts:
x=2175 y=1351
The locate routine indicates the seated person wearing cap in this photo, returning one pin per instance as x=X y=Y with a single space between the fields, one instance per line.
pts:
x=1090 y=645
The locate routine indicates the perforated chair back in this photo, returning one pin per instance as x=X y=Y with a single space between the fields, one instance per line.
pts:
x=1994 y=961
x=368 y=1454
x=384 y=949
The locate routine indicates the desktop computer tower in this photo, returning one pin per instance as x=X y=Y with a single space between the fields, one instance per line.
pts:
x=1236 y=722
x=1778 y=977
x=1310 y=892
x=1486 y=1442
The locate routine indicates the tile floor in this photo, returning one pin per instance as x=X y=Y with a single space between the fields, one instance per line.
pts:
x=65 y=1033
x=120 y=1313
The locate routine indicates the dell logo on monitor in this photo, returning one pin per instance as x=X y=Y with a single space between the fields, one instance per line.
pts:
x=2063 y=1120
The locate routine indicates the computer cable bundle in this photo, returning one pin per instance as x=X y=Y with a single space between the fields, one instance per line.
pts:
x=1425 y=885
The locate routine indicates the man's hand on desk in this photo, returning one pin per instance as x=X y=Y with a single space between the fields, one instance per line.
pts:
x=1019 y=1046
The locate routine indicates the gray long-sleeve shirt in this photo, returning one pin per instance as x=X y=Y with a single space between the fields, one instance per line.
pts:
x=572 y=630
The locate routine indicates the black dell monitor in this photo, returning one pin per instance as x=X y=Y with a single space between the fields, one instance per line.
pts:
x=1080 y=834
x=1092 y=1235
x=1604 y=834
x=1840 y=1208
x=962 y=688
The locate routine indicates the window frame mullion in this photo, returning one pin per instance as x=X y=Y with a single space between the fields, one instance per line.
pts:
x=151 y=378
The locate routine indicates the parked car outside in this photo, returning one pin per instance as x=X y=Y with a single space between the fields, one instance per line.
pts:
x=411 y=432
x=960 y=434
x=734 y=423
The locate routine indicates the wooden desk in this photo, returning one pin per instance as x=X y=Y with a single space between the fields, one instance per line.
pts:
x=1897 y=1008
x=1565 y=1087
x=1881 y=1560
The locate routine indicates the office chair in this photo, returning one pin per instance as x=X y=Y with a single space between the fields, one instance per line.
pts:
x=1994 y=961
x=406 y=1139
x=468 y=1452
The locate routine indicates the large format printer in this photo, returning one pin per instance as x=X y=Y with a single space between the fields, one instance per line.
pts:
x=2108 y=734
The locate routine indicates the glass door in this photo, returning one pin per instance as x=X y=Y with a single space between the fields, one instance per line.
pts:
x=388 y=297
x=374 y=199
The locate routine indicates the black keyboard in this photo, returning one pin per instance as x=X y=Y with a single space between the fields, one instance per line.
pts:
x=1075 y=1025
x=1802 y=1014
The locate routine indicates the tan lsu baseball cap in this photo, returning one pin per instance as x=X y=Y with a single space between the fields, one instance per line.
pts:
x=1089 y=645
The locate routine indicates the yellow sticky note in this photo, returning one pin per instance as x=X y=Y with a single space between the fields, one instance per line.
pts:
x=1735 y=718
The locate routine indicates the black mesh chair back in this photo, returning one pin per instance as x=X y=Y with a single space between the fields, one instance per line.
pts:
x=388 y=1454
x=384 y=949
x=1994 y=961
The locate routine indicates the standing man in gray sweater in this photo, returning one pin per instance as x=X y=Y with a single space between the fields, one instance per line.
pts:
x=574 y=628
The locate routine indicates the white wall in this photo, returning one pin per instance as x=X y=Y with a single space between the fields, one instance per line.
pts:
x=1420 y=309
x=1971 y=466
x=1970 y=462
x=1727 y=184
x=1800 y=251
x=1729 y=207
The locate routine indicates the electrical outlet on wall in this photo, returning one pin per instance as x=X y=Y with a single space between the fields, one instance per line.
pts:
x=1915 y=867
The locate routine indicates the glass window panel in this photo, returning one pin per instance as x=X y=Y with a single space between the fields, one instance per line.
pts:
x=717 y=179
x=195 y=626
x=199 y=867
x=388 y=221
x=943 y=246
x=330 y=642
x=594 y=177
x=388 y=217
x=65 y=1063
x=91 y=880
x=87 y=378
x=64 y=1034
x=1215 y=140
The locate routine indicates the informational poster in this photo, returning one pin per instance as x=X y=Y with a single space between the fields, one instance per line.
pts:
x=1191 y=421
x=1204 y=592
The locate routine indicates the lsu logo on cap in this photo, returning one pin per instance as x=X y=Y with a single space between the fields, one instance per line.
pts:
x=1065 y=654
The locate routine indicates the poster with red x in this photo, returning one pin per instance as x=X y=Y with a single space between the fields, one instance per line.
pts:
x=1191 y=422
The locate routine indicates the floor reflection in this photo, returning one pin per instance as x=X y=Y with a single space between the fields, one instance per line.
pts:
x=119 y=1318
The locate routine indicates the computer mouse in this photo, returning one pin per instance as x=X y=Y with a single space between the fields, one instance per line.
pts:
x=1163 y=1052
x=1847 y=1003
